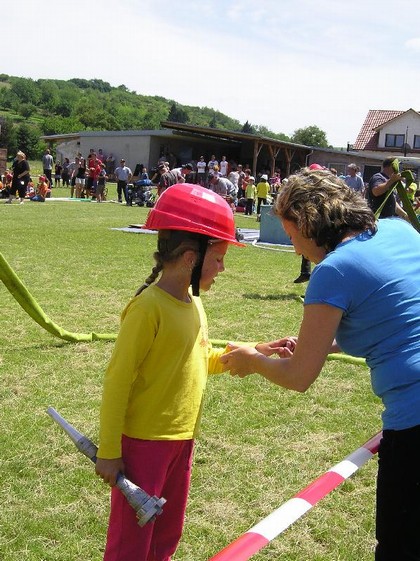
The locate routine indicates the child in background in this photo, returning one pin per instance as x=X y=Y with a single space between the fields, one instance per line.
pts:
x=30 y=189
x=100 y=186
x=154 y=384
x=8 y=179
x=57 y=174
x=42 y=190
x=250 y=193
x=263 y=188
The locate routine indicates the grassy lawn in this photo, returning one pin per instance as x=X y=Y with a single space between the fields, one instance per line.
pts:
x=259 y=444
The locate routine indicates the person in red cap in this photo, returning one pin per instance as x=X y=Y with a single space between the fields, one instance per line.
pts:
x=155 y=381
x=315 y=167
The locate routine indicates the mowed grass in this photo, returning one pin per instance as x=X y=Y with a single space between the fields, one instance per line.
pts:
x=259 y=444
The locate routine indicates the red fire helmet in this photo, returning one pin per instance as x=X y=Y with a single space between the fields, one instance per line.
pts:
x=195 y=209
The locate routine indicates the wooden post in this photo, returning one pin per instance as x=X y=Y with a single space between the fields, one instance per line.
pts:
x=3 y=160
x=257 y=150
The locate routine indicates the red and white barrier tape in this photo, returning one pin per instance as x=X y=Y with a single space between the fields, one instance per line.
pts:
x=275 y=523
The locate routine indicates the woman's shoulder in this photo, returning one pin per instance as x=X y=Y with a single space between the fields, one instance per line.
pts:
x=395 y=226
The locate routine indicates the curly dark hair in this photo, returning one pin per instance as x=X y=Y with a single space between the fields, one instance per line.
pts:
x=323 y=207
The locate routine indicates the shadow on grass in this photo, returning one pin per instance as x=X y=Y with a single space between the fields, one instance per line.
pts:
x=57 y=344
x=281 y=297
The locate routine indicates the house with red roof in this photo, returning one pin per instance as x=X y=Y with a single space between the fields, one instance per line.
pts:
x=390 y=132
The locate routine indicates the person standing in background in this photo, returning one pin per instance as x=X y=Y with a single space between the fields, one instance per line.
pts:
x=201 y=171
x=354 y=180
x=123 y=175
x=47 y=165
x=212 y=162
x=223 y=166
x=57 y=174
x=263 y=188
x=65 y=172
x=20 y=178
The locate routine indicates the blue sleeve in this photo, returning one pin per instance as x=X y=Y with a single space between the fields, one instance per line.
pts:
x=322 y=288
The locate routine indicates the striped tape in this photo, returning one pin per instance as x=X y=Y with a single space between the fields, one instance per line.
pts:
x=261 y=534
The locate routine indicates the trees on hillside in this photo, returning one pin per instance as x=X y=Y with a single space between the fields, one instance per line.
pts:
x=177 y=114
x=23 y=137
x=50 y=106
x=310 y=136
x=248 y=128
x=8 y=137
x=27 y=138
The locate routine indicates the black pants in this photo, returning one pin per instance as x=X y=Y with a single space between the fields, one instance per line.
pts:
x=305 y=266
x=259 y=203
x=249 y=206
x=19 y=185
x=398 y=496
x=122 y=188
x=48 y=175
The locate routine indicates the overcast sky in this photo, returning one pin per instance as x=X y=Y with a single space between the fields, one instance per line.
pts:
x=284 y=64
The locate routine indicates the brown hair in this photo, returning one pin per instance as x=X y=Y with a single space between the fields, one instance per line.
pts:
x=323 y=207
x=171 y=245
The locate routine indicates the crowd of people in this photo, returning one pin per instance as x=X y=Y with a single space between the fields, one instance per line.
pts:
x=17 y=183
x=234 y=182
x=88 y=178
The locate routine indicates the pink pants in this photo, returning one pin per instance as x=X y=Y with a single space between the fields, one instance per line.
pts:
x=161 y=468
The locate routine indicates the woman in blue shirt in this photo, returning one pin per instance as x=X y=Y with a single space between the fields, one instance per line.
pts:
x=363 y=298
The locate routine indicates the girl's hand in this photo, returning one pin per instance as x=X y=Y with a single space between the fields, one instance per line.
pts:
x=284 y=347
x=108 y=470
x=239 y=360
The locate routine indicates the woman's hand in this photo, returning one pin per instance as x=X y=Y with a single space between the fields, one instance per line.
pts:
x=284 y=347
x=108 y=470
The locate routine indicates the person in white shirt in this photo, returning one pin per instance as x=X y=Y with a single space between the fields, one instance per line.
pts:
x=201 y=171
x=223 y=166
x=212 y=163
x=123 y=175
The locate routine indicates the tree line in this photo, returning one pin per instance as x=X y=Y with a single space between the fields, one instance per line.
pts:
x=31 y=108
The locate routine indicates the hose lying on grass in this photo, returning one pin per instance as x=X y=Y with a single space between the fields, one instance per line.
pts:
x=22 y=295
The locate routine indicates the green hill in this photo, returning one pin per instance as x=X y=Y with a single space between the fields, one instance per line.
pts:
x=32 y=108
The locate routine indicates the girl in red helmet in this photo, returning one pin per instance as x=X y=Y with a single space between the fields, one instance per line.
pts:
x=154 y=384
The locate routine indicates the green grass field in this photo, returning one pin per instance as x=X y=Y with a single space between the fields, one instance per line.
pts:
x=259 y=444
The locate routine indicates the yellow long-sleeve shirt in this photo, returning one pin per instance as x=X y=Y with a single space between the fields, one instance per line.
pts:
x=155 y=381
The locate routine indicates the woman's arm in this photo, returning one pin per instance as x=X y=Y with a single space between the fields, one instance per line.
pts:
x=315 y=341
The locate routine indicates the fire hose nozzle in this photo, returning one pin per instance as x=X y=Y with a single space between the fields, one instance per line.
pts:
x=146 y=507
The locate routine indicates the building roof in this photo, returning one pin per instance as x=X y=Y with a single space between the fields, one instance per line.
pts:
x=367 y=138
x=85 y=134
x=223 y=134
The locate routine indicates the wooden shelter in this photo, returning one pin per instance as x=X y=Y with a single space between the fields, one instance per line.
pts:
x=260 y=152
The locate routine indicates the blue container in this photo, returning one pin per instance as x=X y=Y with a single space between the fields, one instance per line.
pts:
x=271 y=229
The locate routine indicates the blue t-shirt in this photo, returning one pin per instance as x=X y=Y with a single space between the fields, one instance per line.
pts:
x=375 y=280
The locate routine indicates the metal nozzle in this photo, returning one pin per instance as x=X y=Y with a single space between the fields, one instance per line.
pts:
x=146 y=507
